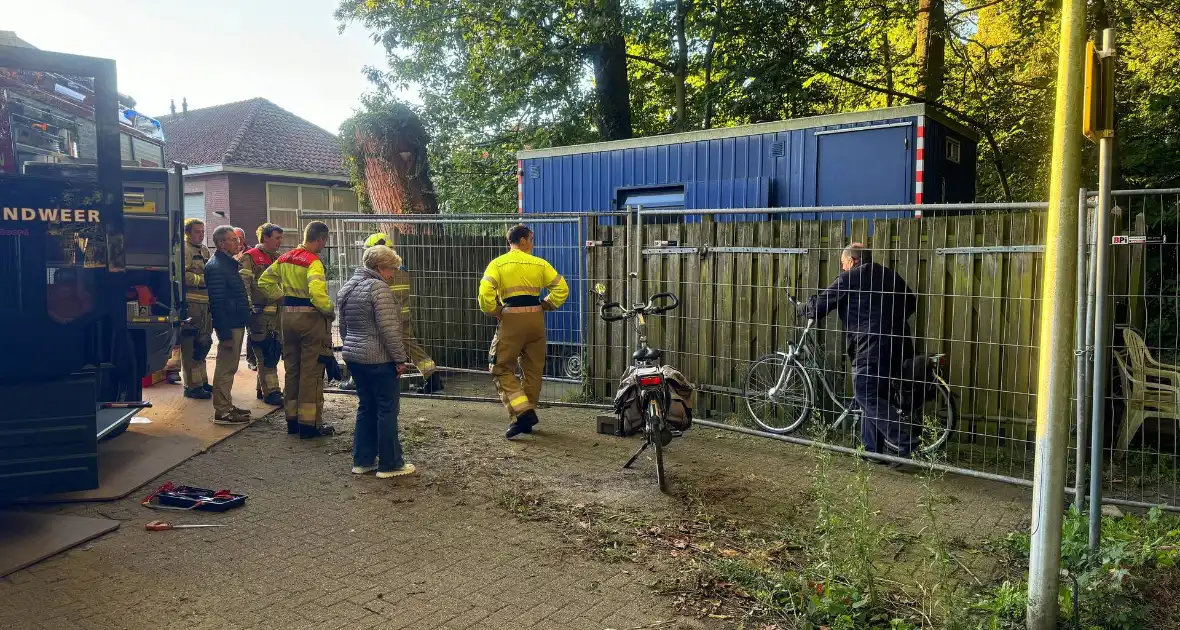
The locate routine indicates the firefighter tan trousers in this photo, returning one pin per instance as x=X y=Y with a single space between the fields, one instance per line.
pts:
x=305 y=338
x=521 y=335
x=418 y=355
x=193 y=371
x=264 y=326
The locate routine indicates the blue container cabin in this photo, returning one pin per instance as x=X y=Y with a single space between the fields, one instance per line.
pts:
x=899 y=155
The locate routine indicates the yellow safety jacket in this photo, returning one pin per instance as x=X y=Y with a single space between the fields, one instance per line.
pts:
x=297 y=277
x=254 y=262
x=400 y=284
x=519 y=274
x=195 y=257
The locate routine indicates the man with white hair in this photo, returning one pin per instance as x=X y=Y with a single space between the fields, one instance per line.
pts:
x=229 y=308
x=874 y=305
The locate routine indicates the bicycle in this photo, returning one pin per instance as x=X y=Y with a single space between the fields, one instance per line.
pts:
x=654 y=393
x=780 y=393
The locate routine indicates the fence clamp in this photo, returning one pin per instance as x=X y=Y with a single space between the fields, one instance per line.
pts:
x=591 y=244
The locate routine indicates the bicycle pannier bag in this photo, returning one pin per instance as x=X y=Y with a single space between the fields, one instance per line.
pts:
x=628 y=409
x=917 y=383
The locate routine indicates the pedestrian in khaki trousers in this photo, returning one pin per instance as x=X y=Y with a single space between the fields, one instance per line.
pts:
x=511 y=291
x=297 y=277
x=229 y=310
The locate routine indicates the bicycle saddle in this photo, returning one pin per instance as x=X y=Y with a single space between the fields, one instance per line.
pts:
x=647 y=354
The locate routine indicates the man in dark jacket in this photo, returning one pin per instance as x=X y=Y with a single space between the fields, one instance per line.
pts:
x=874 y=305
x=229 y=308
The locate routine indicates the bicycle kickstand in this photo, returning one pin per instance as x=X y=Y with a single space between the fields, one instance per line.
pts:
x=646 y=443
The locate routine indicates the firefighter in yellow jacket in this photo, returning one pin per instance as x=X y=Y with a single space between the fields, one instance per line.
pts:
x=400 y=284
x=197 y=336
x=266 y=340
x=511 y=291
x=297 y=277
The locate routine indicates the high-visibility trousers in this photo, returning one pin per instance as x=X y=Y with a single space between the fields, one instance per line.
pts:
x=263 y=326
x=418 y=355
x=193 y=373
x=305 y=338
x=520 y=336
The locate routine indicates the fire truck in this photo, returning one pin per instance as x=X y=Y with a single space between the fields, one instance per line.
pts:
x=91 y=285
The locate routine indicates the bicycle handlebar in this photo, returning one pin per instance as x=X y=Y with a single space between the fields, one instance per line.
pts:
x=613 y=311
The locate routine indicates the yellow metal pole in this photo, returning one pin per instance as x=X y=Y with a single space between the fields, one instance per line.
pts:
x=1057 y=321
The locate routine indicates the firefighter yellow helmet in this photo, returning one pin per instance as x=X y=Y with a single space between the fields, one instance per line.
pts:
x=378 y=239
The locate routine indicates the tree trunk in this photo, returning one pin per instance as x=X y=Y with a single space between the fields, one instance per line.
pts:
x=608 y=56
x=681 y=68
x=887 y=54
x=708 y=87
x=931 y=43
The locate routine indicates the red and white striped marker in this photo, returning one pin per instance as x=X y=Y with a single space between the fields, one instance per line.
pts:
x=520 y=186
x=920 y=165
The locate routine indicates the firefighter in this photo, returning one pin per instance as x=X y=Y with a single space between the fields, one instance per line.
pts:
x=511 y=291
x=238 y=256
x=297 y=277
x=400 y=284
x=266 y=341
x=197 y=338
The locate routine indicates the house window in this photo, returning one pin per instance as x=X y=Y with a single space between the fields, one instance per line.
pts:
x=953 y=150
x=661 y=198
x=194 y=206
x=286 y=203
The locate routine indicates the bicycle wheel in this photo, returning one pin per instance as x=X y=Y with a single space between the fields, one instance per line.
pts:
x=653 y=427
x=791 y=404
x=936 y=419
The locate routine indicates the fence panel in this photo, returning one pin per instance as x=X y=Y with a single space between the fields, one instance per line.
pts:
x=1141 y=441
x=976 y=276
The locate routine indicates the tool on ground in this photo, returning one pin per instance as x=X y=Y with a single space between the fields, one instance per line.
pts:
x=159 y=526
x=184 y=498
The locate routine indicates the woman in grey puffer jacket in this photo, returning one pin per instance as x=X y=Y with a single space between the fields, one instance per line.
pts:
x=373 y=349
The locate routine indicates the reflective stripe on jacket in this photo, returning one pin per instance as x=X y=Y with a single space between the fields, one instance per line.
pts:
x=195 y=257
x=254 y=263
x=297 y=273
x=517 y=273
x=400 y=284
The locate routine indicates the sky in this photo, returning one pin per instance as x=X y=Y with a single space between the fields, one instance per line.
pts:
x=213 y=51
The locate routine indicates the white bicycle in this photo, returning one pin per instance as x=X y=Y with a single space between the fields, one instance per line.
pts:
x=780 y=393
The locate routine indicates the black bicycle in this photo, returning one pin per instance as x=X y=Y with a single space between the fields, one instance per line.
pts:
x=781 y=392
x=654 y=391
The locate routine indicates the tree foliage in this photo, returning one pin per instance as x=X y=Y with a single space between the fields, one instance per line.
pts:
x=496 y=76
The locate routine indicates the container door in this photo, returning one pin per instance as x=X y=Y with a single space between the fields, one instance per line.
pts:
x=868 y=166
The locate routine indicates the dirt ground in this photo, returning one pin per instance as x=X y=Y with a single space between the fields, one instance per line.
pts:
x=547 y=531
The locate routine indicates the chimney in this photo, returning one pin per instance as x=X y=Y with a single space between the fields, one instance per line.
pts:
x=172 y=106
x=184 y=105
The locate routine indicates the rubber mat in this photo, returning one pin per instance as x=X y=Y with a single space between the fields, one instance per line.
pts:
x=27 y=538
x=180 y=428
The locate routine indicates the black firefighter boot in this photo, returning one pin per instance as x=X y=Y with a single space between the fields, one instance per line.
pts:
x=524 y=424
x=433 y=385
x=310 y=433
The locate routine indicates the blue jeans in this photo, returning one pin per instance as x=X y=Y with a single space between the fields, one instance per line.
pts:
x=375 y=437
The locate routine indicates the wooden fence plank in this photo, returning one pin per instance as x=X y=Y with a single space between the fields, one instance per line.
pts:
x=961 y=312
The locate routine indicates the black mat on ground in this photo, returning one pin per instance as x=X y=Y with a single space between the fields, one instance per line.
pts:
x=129 y=461
x=27 y=538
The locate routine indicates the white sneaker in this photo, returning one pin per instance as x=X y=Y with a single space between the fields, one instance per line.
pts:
x=360 y=470
x=407 y=469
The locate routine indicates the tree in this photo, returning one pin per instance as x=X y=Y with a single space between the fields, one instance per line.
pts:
x=385 y=148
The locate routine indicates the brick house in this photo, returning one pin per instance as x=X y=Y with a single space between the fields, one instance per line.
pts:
x=253 y=161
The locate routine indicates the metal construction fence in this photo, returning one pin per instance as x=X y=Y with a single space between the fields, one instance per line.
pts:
x=976 y=270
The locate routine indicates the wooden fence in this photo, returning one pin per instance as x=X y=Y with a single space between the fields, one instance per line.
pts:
x=978 y=279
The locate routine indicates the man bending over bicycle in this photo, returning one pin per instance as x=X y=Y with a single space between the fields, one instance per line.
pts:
x=874 y=305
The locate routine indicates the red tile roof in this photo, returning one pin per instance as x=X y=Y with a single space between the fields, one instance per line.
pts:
x=254 y=134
